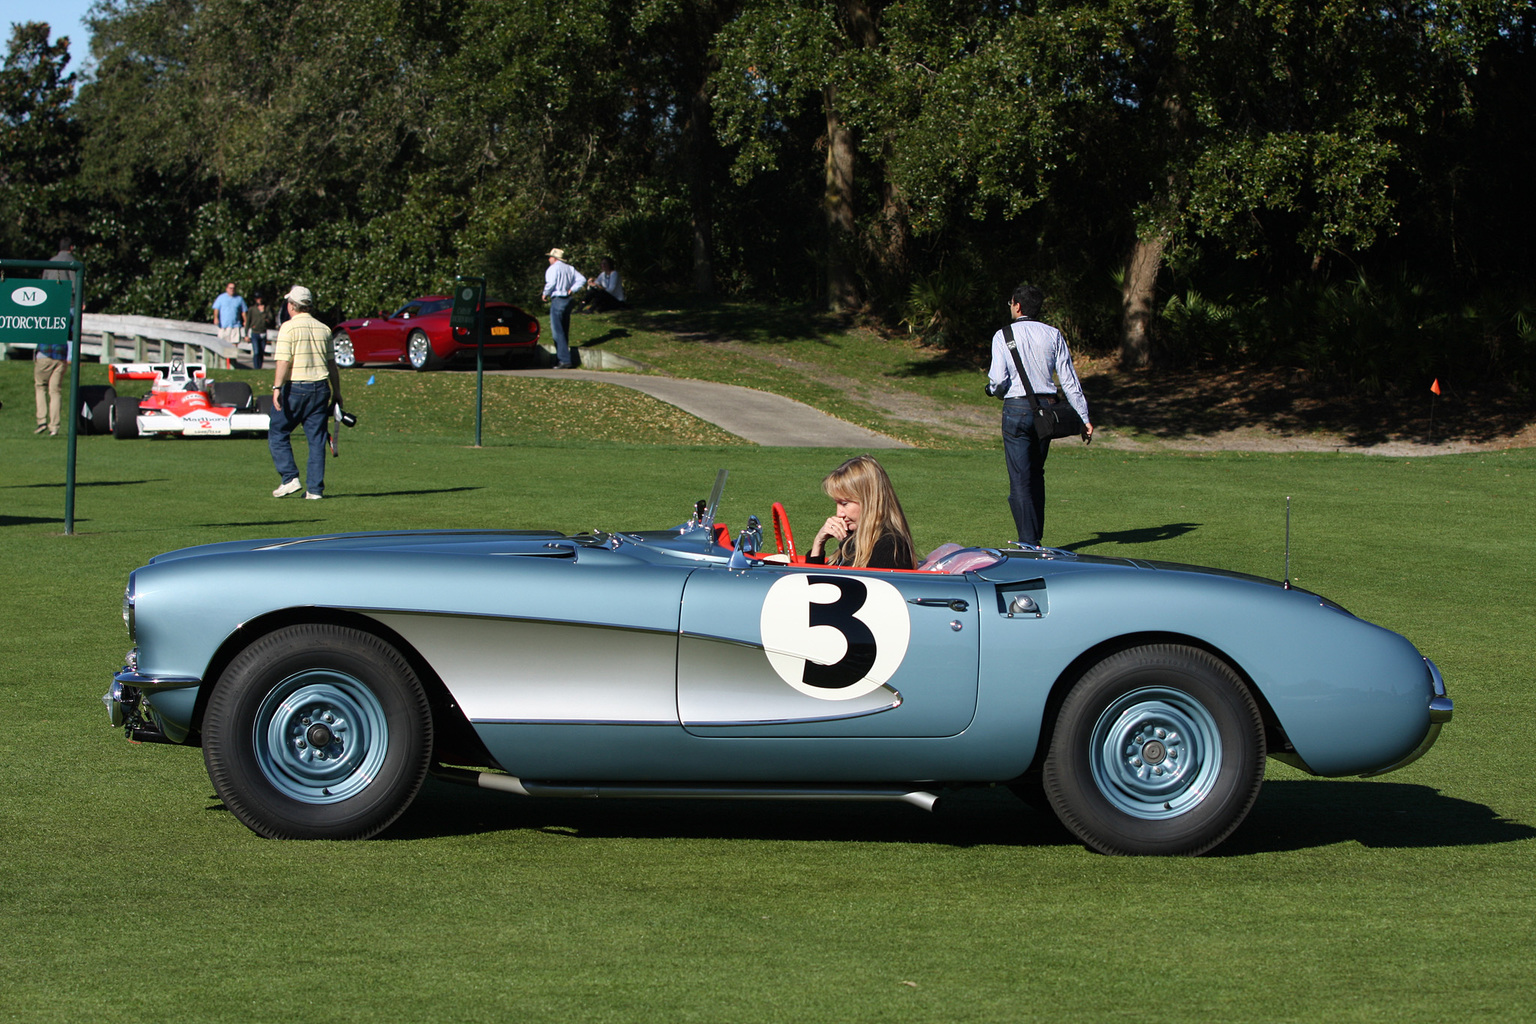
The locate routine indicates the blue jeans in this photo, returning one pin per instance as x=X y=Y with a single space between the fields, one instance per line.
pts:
x=307 y=403
x=560 y=327
x=258 y=348
x=1026 y=468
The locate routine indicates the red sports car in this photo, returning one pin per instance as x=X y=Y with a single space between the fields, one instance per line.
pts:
x=418 y=333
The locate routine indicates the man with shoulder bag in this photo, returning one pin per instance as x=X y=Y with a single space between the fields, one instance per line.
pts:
x=1028 y=357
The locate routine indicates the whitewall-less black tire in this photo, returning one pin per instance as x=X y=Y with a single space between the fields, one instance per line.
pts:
x=317 y=732
x=1157 y=750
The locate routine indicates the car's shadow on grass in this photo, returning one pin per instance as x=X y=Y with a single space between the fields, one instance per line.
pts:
x=1306 y=813
x=1289 y=816
x=963 y=818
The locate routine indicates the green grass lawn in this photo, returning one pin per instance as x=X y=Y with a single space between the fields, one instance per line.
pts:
x=128 y=893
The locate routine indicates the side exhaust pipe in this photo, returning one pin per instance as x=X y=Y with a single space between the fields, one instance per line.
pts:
x=684 y=791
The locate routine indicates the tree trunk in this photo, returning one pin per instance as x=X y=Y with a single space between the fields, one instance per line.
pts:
x=837 y=203
x=1138 y=301
x=895 y=255
x=701 y=139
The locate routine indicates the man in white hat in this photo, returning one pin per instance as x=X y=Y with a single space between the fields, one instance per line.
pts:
x=305 y=386
x=561 y=282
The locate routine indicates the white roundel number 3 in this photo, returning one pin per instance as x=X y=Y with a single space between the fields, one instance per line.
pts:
x=834 y=637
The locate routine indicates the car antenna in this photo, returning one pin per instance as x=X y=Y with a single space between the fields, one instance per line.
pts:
x=1287 y=583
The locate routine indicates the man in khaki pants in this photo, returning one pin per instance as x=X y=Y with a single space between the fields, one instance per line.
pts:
x=50 y=360
x=48 y=379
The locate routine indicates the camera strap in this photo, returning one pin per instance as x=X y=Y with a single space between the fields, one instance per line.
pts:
x=1013 y=350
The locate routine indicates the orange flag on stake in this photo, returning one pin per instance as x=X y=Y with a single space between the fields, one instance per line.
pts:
x=1435 y=387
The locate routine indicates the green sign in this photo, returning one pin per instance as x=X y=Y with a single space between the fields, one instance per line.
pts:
x=466 y=298
x=35 y=312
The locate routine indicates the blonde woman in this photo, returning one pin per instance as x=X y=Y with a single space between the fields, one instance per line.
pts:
x=869 y=526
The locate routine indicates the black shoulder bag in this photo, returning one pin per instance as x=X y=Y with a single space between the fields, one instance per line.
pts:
x=1058 y=420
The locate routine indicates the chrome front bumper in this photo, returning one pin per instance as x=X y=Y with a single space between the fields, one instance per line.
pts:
x=128 y=710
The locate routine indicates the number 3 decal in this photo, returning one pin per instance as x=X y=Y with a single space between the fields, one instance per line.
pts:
x=834 y=637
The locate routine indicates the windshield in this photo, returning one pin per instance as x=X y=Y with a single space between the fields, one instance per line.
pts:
x=421 y=307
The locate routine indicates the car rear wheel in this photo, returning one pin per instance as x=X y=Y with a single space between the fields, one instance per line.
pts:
x=317 y=732
x=418 y=349
x=101 y=412
x=124 y=420
x=95 y=399
x=1157 y=750
x=341 y=343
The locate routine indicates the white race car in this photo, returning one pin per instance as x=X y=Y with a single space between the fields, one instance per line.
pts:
x=184 y=401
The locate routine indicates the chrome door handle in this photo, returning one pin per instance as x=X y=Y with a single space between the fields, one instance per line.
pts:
x=954 y=604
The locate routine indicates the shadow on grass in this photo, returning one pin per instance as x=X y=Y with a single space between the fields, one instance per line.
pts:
x=1289 y=816
x=714 y=322
x=88 y=483
x=1178 y=403
x=30 y=520
x=612 y=334
x=401 y=494
x=963 y=818
x=259 y=522
x=939 y=366
x=1144 y=535
x=1307 y=813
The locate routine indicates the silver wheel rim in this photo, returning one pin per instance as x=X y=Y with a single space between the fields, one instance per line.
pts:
x=420 y=349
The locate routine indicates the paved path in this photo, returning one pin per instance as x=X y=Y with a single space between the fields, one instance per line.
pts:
x=757 y=416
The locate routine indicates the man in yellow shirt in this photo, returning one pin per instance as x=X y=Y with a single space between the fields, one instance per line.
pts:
x=305 y=386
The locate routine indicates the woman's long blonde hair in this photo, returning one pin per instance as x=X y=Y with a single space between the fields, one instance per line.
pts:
x=863 y=480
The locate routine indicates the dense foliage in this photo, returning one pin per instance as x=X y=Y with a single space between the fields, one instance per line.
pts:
x=1338 y=187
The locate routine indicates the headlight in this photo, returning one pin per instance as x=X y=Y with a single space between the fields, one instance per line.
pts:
x=128 y=606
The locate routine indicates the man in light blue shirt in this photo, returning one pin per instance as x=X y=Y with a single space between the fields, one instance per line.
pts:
x=229 y=316
x=561 y=282
x=1046 y=359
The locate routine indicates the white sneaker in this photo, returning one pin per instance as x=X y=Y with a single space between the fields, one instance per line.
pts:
x=312 y=496
x=288 y=487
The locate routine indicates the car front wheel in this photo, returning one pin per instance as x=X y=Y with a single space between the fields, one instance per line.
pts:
x=418 y=349
x=124 y=418
x=1157 y=750
x=317 y=732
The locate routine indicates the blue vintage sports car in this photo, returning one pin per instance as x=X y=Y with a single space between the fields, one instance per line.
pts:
x=1138 y=699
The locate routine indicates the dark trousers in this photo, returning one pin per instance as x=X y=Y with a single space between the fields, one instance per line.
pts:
x=306 y=404
x=1025 y=455
x=560 y=327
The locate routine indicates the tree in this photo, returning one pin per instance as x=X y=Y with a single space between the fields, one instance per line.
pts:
x=782 y=54
x=38 y=141
x=1264 y=126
